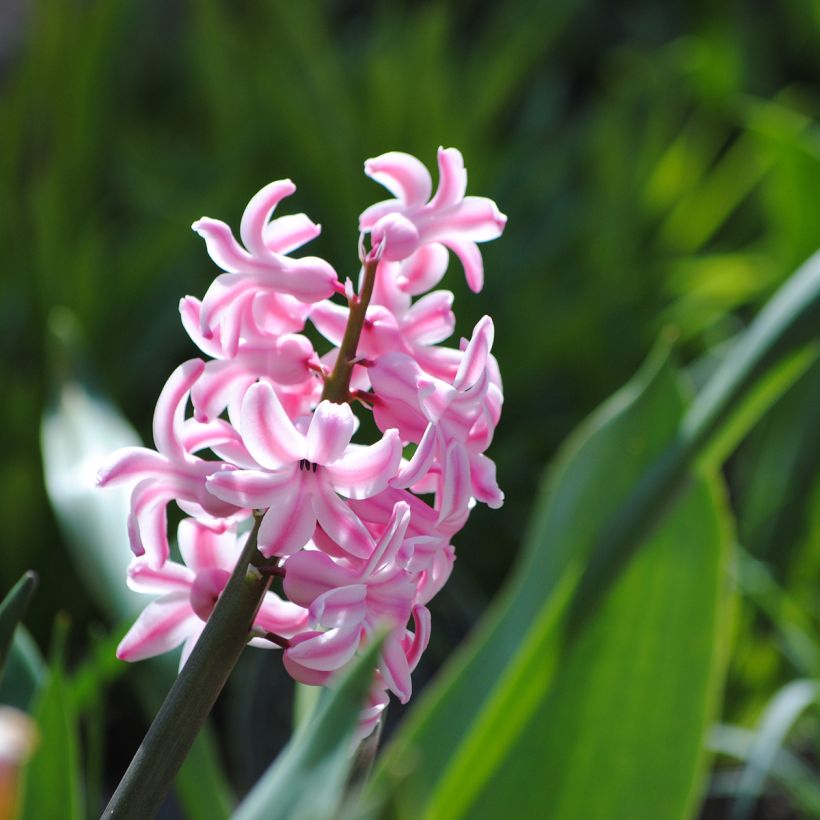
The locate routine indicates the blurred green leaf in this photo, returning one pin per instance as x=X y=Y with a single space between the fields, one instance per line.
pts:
x=307 y=780
x=24 y=672
x=796 y=778
x=776 y=722
x=52 y=784
x=12 y=609
x=794 y=625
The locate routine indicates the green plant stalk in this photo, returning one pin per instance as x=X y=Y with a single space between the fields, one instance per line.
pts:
x=151 y=773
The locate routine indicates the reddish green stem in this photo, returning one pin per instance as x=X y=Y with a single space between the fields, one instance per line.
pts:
x=337 y=384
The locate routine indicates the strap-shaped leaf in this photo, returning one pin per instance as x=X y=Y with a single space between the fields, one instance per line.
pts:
x=12 y=609
x=307 y=781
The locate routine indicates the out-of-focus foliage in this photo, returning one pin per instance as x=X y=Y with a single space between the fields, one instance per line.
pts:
x=660 y=165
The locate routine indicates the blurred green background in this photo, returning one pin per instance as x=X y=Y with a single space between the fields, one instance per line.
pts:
x=659 y=164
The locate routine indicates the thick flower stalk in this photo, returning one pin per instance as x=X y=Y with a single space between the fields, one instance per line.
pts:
x=261 y=435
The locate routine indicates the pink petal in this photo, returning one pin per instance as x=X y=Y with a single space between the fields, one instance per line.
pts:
x=337 y=607
x=222 y=247
x=474 y=363
x=397 y=236
x=424 y=269
x=202 y=548
x=431 y=319
x=149 y=500
x=456 y=486
x=190 y=310
x=161 y=626
x=267 y=431
x=310 y=573
x=251 y=488
x=390 y=541
x=365 y=471
x=280 y=617
x=421 y=461
x=297 y=671
x=131 y=464
x=395 y=669
x=403 y=175
x=340 y=522
x=287 y=233
x=477 y=219
x=211 y=394
x=170 y=410
x=421 y=636
x=222 y=304
x=370 y=216
x=470 y=256
x=170 y=577
x=329 y=433
x=452 y=182
x=258 y=212
x=327 y=651
x=330 y=320
x=484 y=485
x=288 y=524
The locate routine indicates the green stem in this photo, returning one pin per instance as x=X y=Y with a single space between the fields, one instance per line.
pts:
x=193 y=694
x=337 y=384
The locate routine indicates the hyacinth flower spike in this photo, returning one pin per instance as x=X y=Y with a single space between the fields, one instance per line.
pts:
x=303 y=472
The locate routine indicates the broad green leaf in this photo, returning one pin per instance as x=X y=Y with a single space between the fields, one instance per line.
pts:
x=307 y=781
x=615 y=728
x=24 y=672
x=52 y=785
x=12 y=609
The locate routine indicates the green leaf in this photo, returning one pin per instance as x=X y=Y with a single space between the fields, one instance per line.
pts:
x=307 y=780
x=12 y=609
x=778 y=718
x=52 y=777
x=793 y=775
x=24 y=672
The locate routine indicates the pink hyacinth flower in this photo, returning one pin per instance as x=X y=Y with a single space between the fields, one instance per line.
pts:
x=188 y=593
x=262 y=266
x=303 y=472
x=400 y=226
x=451 y=423
x=172 y=472
x=351 y=602
x=286 y=360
